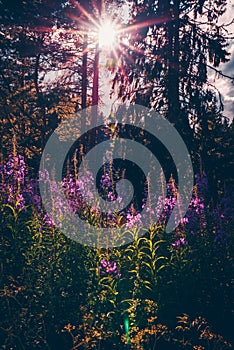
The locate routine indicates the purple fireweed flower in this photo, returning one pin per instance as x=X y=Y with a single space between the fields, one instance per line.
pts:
x=104 y=263
x=47 y=219
x=15 y=183
x=169 y=203
x=179 y=242
x=20 y=202
x=44 y=175
x=111 y=196
x=184 y=220
x=133 y=220
x=109 y=268
x=149 y=210
x=106 y=180
x=198 y=205
x=16 y=167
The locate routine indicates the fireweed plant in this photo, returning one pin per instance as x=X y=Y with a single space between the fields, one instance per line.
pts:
x=105 y=298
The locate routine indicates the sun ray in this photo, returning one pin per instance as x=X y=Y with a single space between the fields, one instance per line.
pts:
x=150 y=22
x=87 y=14
x=107 y=35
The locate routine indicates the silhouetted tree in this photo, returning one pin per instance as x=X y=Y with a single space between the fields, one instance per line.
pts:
x=171 y=49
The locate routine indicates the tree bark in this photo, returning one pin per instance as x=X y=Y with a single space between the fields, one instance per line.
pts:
x=173 y=64
x=84 y=73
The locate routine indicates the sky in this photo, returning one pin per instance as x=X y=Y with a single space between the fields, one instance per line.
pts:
x=225 y=86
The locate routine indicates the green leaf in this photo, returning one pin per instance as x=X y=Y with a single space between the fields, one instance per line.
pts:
x=147 y=265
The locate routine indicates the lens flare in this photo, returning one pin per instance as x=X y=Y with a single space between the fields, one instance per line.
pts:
x=107 y=35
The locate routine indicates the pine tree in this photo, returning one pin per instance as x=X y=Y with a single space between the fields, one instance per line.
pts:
x=171 y=51
x=40 y=71
x=214 y=135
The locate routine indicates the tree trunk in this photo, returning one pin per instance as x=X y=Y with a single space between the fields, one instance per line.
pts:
x=173 y=64
x=84 y=73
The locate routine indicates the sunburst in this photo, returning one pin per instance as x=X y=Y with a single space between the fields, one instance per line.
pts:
x=102 y=29
x=107 y=35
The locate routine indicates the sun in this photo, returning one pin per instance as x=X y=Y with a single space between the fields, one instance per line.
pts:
x=107 y=35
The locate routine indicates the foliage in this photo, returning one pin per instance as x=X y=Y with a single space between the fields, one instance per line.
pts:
x=58 y=294
x=173 y=49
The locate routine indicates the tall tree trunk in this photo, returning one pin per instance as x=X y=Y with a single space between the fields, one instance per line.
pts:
x=84 y=73
x=173 y=64
x=175 y=114
x=95 y=97
x=95 y=77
